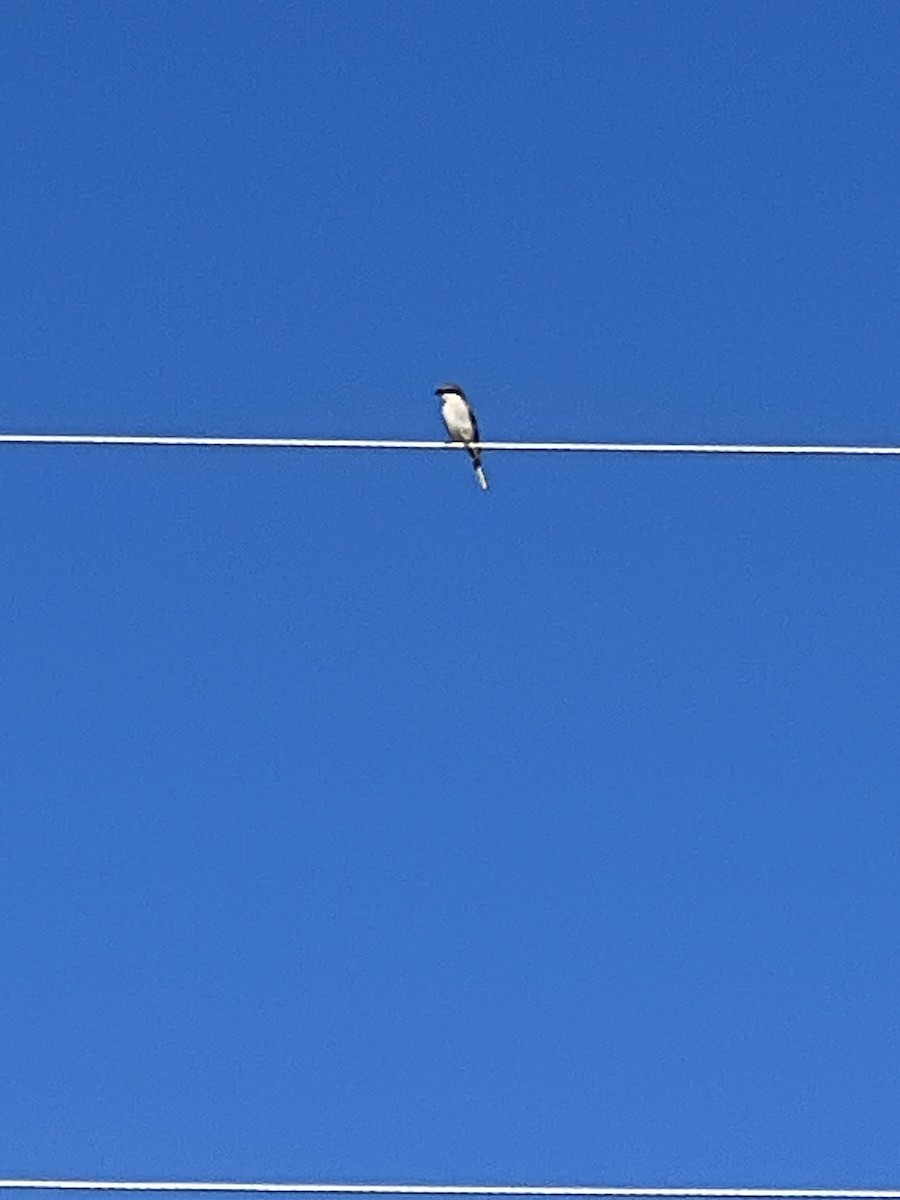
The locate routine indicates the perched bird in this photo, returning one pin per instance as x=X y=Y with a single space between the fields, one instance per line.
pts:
x=461 y=424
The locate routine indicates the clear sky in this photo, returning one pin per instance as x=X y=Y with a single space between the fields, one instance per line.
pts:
x=359 y=825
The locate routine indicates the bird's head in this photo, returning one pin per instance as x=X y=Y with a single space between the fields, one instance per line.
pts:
x=449 y=389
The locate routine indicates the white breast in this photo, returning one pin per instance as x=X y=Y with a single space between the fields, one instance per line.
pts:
x=455 y=412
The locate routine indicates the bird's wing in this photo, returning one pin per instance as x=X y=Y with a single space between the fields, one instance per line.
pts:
x=473 y=419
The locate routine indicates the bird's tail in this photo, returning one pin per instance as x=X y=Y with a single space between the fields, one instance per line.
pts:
x=479 y=469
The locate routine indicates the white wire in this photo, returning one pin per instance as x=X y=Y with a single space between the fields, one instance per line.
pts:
x=426 y=1189
x=279 y=443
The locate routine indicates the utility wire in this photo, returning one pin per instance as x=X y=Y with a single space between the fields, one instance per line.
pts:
x=283 y=443
x=427 y=1189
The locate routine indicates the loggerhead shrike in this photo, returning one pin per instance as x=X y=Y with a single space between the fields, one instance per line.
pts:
x=461 y=423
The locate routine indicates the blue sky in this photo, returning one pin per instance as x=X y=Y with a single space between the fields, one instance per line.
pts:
x=355 y=824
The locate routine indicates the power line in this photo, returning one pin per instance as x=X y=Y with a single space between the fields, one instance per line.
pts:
x=283 y=443
x=427 y=1189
